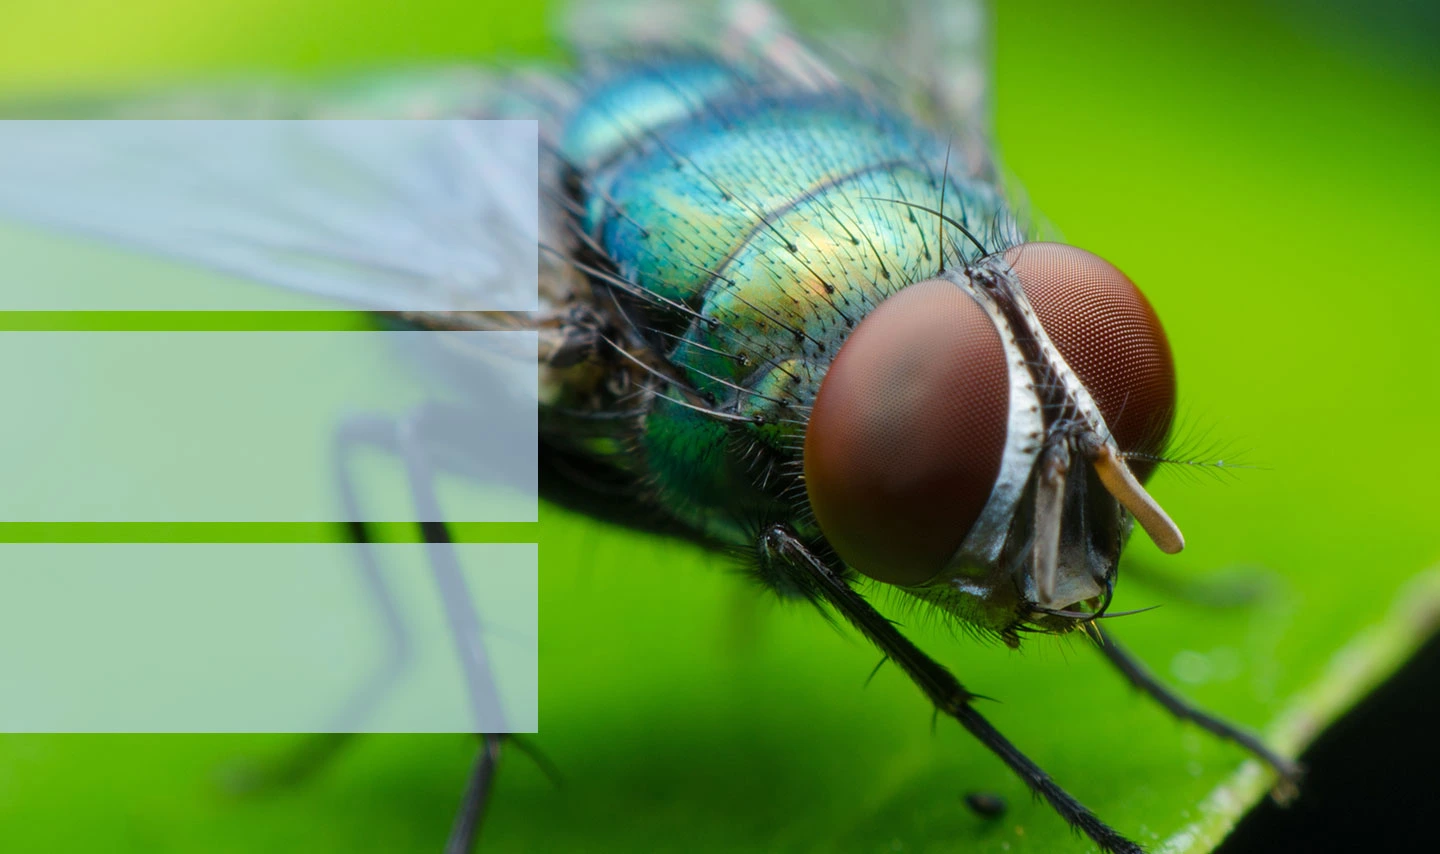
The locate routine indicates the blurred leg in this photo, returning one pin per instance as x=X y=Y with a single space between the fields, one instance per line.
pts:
x=407 y=440
x=466 y=826
x=1137 y=674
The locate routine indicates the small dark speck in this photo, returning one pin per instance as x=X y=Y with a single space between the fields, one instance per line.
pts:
x=829 y=288
x=986 y=804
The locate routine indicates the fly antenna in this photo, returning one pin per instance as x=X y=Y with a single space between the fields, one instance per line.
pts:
x=1120 y=482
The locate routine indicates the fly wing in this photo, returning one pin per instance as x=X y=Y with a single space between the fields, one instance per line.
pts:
x=930 y=56
x=436 y=216
x=401 y=224
x=933 y=56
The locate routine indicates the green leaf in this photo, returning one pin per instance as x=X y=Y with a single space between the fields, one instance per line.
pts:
x=1268 y=186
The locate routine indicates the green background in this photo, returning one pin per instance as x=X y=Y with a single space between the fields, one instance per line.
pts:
x=1268 y=178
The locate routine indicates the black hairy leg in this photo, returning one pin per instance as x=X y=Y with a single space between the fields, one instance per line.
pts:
x=786 y=552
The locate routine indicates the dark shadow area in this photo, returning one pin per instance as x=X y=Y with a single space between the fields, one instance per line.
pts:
x=592 y=489
x=1374 y=777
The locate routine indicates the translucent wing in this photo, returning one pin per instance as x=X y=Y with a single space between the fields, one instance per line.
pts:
x=391 y=215
x=405 y=224
x=930 y=56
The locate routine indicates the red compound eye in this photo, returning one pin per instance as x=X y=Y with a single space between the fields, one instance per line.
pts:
x=1107 y=331
x=907 y=432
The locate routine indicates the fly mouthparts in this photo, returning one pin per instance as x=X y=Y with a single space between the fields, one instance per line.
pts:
x=1049 y=504
x=1121 y=483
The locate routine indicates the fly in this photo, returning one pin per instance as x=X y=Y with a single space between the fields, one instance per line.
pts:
x=787 y=307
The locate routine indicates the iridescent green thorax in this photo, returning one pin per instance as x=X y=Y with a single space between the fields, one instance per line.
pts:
x=779 y=217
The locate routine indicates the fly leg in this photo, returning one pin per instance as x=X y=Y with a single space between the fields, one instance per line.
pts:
x=784 y=551
x=464 y=625
x=415 y=439
x=466 y=826
x=1237 y=588
x=1137 y=674
x=317 y=750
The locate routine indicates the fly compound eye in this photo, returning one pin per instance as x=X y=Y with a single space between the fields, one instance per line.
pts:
x=1107 y=331
x=907 y=432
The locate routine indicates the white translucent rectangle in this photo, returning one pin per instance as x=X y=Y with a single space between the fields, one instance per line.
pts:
x=198 y=637
x=435 y=215
x=260 y=426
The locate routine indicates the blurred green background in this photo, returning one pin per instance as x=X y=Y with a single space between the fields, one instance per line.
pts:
x=1266 y=173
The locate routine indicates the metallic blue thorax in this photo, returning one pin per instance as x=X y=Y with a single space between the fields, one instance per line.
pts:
x=775 y=217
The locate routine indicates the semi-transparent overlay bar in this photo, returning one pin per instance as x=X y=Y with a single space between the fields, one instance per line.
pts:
x=268 y=426
x=433 y=215
x=193 y=637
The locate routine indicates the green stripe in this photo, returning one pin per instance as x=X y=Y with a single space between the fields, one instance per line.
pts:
x=252 y=532
x=187 y=321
